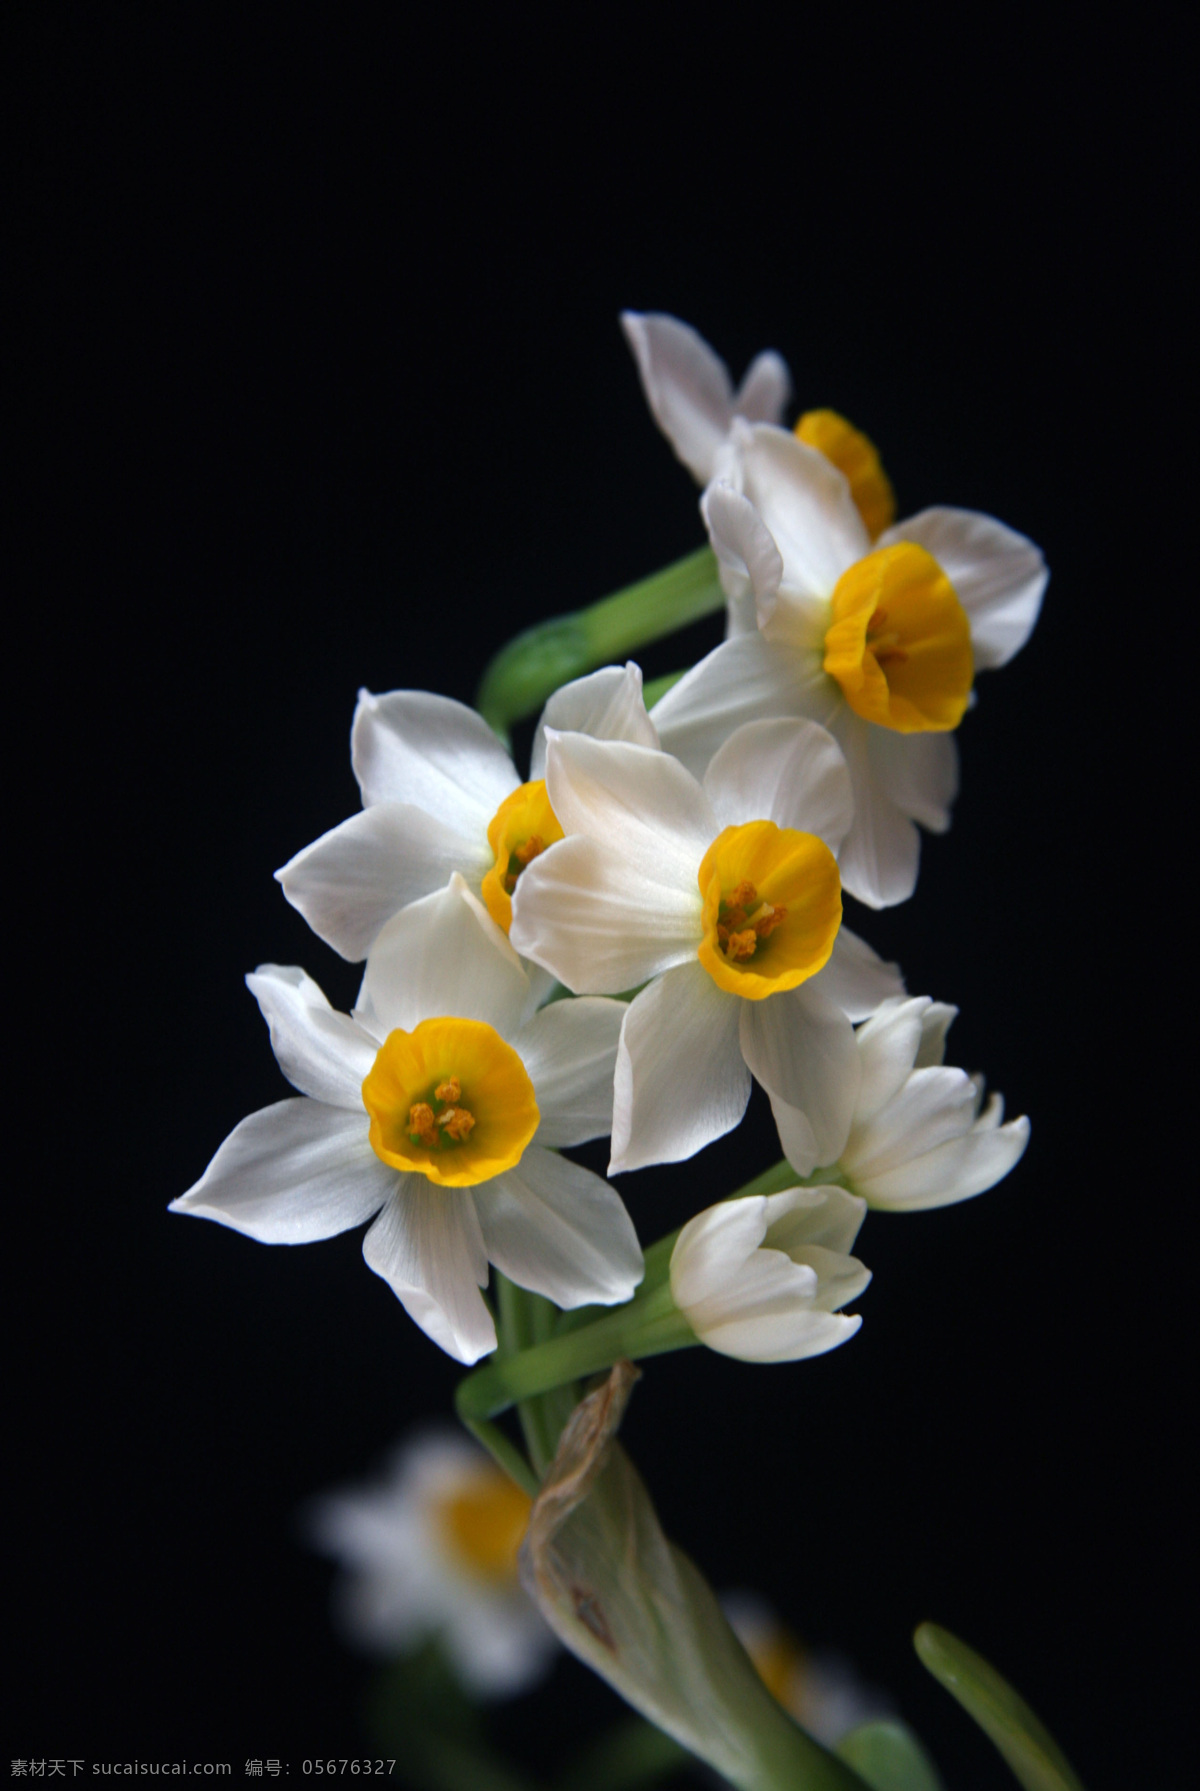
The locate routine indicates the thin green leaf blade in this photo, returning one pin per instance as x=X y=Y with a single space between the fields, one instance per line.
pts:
x=1036 y=1760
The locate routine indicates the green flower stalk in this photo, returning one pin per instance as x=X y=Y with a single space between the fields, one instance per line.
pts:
x=534 y=665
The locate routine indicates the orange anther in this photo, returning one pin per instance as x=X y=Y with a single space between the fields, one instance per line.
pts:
x=767 y=919
x=744 y=896
x=420 y=1124
x=449 y=1090
x=457 y=1123
x=742 y=945
x=530 y=848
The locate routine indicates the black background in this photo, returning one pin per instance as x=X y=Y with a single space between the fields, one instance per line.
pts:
x=317 y=326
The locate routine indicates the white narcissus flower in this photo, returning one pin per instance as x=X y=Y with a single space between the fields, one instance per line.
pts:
x=431 y=1550
x=762 y=1278
x=437 y=1105
x=692 y=400
x=724 y=900
x=440 y=795
x=920 y=1136
x=878 y=644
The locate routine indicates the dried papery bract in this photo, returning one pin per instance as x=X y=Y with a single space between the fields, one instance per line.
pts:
x=624 y=1599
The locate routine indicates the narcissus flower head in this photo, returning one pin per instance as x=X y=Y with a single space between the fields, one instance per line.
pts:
x=441 y=795
x=879 y=642
x=721 y=903
x=762 y=1278
x=437 y=1106
x=431 y=1551
x=921 y=1135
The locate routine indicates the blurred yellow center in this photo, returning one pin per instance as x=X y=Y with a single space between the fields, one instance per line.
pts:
x=772 y=908
x=521 y=827
x=481 y=1522
x=899 y=643
x=856 y=456
x=450 y=1100
x=779 y=1659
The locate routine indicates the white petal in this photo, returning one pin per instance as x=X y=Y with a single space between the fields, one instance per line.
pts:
x=556 y=1228
x=292 y=1173
x=857 y=979
x=789 y=771
x=745 y=679
x=935 y=1024
x=412 y=746
x=687 y=386
x=641 y=804
x=791 y=1333
x=801 y=1048
x=570 y=1052
x=919 y=772
x=930 y=1108
x=353 y=879
x=887 y=1050
x=427 y=1246
x=680 y=1078
x=442 y=956
x=953 y=1171
x=764 y=393
x=748 y=557
x=840 y=1278
x=598 y=925
x=880 y=854
x=800 y=1217
x=712 y=1248
x=805 y=502
x=606 y=705
x=321 y=1052
x=999 y=576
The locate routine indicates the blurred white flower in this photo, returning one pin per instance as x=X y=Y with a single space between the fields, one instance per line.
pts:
x=431 y=1551
x=920 y=1136
x=438 y=1105
x=878 y=644
x=724 y=901
x=819 y=1688
x=440 y=795
x=761 y=1278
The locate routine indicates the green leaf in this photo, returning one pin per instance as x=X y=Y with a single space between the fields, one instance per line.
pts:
x=888 y=1757
x=1030 y=1750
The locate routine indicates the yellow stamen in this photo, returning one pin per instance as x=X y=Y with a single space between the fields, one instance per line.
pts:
x=482 y=1522
x=772 y=908
x=899 y=642
x=519 y=831
x=416 y=1127
x=855 y=455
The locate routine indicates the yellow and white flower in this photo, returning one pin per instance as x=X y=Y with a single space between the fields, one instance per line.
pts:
x=724 y=900
x=692 y=399
x=920 y=1136
x=440 y=795
x=762 y=1278
x=438 y=1105
x=431 y=1551
x=880 y=644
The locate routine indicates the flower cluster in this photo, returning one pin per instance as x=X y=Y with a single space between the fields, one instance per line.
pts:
x=621 y=943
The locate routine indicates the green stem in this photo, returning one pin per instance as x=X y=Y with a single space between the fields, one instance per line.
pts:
x=533 y=666
x=646 y=1326
x=503 y=1451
